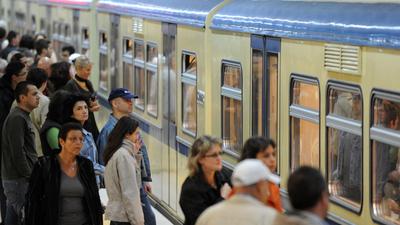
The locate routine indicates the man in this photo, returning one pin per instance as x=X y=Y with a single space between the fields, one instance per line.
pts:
x=18 y=150
x=308 y=195
x=13 y=42
x=43 y=49
x=66 y=52
x=44 y=63
x=250 y=182
x=120 y=100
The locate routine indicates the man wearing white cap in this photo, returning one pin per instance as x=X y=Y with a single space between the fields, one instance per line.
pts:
x=250 y=181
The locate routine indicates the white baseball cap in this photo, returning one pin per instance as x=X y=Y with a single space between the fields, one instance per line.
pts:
x=251 y=171
x=73 y=57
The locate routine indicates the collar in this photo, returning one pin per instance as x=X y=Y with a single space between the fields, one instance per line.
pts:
x=312 y=217
x=247 y=198
x=23 y=110
x=80 y=79
x=113 y=120
x=129 y=145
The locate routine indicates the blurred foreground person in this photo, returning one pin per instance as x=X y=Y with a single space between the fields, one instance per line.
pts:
x=62 y=189
x=250 y=182
x=206 y=185
x=122 y=174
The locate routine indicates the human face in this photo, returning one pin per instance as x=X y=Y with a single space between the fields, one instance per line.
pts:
x=268 y=157
x=21 y=76
x=31 y=100
x=135 y=138
x=73 y=143
x=80 y=111
x=212 y=160
x=50 y=50
x=122 y=105
x=65 y=56
x=84 y=72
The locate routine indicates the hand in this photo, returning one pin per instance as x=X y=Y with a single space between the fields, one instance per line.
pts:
x=147 y=187
x=94 y=106
x=225 y=191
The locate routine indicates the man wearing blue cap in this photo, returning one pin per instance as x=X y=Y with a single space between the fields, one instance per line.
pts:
x=121 y=101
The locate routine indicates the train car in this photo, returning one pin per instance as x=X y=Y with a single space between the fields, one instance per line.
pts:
x=320 y=78
x=157 y=49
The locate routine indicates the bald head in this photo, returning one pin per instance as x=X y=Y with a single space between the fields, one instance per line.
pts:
x=45 y=63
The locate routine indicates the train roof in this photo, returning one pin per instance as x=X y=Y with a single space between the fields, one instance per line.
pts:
x=81 y=4
x=187 y=12
x=365 y=24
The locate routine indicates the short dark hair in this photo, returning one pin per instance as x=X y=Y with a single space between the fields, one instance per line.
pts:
x=66 y=128
x=17 y=57
x=57 y=105
x=41 y=44
x=21 y=89
x=13 y=68
x=306 y=187
x=254 y=145
x=3 y=32
x=37 y=77
x=59 y=74
x=69 y=105
x=69 y=49
x=11 y=35
x=27 y=41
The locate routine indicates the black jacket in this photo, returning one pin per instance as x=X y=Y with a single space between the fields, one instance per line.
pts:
x=197 y=195
x=42 y=197
x=47 y=125
x=6 y=100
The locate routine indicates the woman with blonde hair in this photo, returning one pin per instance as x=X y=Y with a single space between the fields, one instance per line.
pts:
x=205 y=185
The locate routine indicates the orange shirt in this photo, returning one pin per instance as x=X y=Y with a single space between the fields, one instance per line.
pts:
x=274 y=199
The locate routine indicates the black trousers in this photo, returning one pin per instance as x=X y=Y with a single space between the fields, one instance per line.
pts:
x=119 y=223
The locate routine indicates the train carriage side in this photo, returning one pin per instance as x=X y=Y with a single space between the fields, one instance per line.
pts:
x=330 y=71
x=162 y=58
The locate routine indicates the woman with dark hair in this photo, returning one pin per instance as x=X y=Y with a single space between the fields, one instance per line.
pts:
x=205 y=185
x=77 y=110
x=264 y=149
x=60 y=75
x=62 y=189
x=51 y=126
x=122 y=174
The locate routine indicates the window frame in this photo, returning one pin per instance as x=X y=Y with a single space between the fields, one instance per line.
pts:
x=189 y=79
x=299 y=112
x=347 y=125
x=231 y=92
x=152 y=68
x=383 y=135
x=141 y=64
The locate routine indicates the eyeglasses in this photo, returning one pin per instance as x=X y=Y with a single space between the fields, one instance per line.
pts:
x=215 y=155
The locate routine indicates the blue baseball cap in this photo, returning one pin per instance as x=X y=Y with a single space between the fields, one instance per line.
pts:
x=121 y=92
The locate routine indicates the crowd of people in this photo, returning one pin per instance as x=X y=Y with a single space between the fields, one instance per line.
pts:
x=54 y=158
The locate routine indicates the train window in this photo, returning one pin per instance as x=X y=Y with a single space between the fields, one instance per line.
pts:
x=232 y=118
x=344 y=141
x=385 y=140
x=304 y=122
x=42 y=25
x=152 y=78
x=33 y=25
x=189 y=91
x=127 y=64
x=85 y=42
x=103 y=63
x=139 y=74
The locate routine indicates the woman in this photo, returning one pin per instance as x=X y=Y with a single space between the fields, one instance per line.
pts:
x=51 y=126
x=76 y=110
x=122 y=174
x=62 y=189
x=205 y=185
x=264 y=149
x=60 y=75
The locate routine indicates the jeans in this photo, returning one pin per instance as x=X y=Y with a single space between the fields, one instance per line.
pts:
x=119 y=223
x=15 y=191
x=149 y=217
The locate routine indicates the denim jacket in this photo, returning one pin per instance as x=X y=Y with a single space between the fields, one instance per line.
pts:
x=89 y=151
x=102 y=142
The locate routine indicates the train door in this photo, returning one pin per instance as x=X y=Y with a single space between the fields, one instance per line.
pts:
x=114 y=50
x=265 y=74
x=169 y=153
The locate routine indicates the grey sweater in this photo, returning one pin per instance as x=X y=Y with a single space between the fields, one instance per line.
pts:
x=18 y=146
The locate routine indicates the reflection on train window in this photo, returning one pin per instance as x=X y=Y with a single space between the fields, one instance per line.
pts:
x=127 y=64
x=33 y=25
x=152 y=79
x=139 y=50
x=85 y=42
x=304 y=112
x=140 y=83
x=345 y=145
x=103 y=64
x=386 y=159
x=189 y=93
x=55 y=37
x=232 y=121
x=42 y=25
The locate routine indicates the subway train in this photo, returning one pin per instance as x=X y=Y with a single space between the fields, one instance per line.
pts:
x=319 y=77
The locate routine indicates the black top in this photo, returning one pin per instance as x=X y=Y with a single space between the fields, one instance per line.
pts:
x=18 y=144
x=6 y=100
x=197 y=195
x=73 y=87
x=42 y=198
x=47 y=125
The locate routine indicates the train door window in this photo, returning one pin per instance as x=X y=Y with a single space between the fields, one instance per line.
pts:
x=67 y=35
x=189 y=93
x=55 y=36
x=304 y=122
x=85 y=42
x=127 y=64
x=265 y=65
x=42 y=25
x=385 y=145
x=344 y=141
x=232 y=118
x=33 y=25
x=152 y=78
x=103 y=65
x=139 y=74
